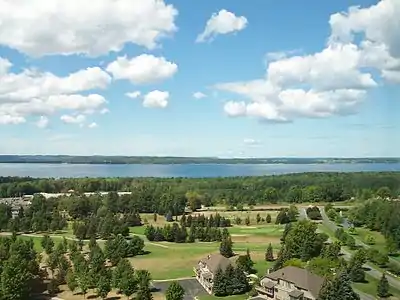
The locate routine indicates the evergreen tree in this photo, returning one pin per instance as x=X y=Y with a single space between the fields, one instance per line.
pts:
x=143 y=279
x=71 y=281
x=175 y=292
x=119 y=272
x=269 y=254
x=338 y=288
x=103 y=284
x=225 y=247
x=268 y=218
x=383 y=287
x=220 y=284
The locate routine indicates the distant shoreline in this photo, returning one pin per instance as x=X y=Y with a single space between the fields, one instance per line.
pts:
x=143 y=160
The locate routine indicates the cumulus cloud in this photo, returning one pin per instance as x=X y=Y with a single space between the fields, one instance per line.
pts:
x=133 y=95
x=31 y=92
x=92 y=125
x=83 y=27
x=142 y=69
x=69 y=119
x=333 y=81
x=199 y=95
x=156 y=99
x=43 y=122
x=223 y=22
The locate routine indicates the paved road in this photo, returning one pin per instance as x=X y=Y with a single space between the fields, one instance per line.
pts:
x=303 y=213
x=347 y=255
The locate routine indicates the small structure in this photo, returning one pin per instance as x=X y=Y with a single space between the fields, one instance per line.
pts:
x=208 y=267
x=290 y=283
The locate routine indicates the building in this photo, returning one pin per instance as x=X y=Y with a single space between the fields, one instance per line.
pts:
x=208 y=267
x=290 y=283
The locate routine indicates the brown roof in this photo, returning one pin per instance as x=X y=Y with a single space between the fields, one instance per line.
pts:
x=301 y=278
x=215 y=262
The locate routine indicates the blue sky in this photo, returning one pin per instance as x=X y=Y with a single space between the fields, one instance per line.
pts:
x=200 y=78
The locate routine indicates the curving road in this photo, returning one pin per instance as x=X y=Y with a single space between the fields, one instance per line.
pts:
x=394 y=282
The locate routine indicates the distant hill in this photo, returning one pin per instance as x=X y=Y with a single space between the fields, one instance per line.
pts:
x=66 y=159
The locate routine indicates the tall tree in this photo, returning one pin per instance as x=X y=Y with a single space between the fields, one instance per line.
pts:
x=269 y=254
x=103 y=284
x=383 y=287
x=225 y=247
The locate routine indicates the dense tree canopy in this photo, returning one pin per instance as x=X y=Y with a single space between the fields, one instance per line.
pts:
x=166 y=194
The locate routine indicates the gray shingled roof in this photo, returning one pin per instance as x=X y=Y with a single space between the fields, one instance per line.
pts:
x=302 y=278
x=215 y=262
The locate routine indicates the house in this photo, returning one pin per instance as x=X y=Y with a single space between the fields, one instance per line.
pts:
x=208 y=267
x=290 y=283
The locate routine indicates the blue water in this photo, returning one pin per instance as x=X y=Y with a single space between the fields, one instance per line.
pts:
x=185 y=170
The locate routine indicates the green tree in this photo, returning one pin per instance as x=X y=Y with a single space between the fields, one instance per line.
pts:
x=338 y=288
x=383 y=287
x=175 y=291
x=47 y=244
x=268 y=218
x=15 y=278
x=103 y=284
x=269 y=254
x=391 y=245
x=123 y=267
x=220 y=284
x=143 y=279
x=71 y=281
x=225 y=247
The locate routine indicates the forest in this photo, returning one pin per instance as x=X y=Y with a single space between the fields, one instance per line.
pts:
x=152 y=193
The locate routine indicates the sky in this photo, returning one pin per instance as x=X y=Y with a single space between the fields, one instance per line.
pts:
x=226 y=78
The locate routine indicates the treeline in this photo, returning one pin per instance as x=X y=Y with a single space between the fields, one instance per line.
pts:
x=180 y=234
x=41 y=215
x=379 y=215
x=153 y=194
x=202 y=221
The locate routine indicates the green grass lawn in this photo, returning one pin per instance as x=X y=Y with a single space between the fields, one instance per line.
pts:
x=370 y=287
x=263 y=230
x=171 y=260
x=380 y=242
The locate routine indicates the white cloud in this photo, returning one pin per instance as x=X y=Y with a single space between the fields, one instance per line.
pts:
x=142 y=69
x=199 y=95
x=104 y=111
x=331 y=82
x=133 y=95
x=251 y=142
x=378 y=24
x=69 y=119
x=156 y=99
x=6 y=119
x=43 y=122
x=31 y=92
x=93 y=125
x=224 y=22
x=235 y=109
x=38 y=27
